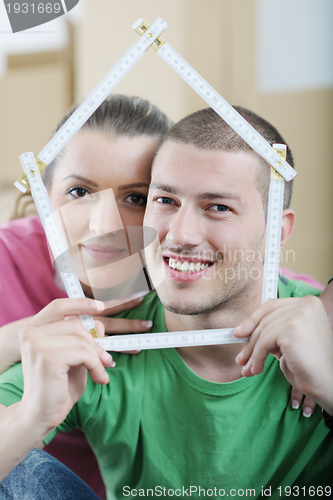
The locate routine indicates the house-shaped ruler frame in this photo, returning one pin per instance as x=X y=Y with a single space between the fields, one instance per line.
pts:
x=280 y=171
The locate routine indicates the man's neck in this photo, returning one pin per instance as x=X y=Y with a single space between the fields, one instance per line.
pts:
x=214 y=363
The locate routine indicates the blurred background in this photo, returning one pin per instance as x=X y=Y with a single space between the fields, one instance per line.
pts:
x=272 y=56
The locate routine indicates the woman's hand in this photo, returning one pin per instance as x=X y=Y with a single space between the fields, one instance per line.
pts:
x=10 y=351
x=122 y=325
x=298 y=333
x=57 y=352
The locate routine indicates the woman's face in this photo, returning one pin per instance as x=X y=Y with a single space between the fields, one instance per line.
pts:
x=101 y=184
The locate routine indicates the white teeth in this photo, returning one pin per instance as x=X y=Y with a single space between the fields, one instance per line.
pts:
x=186 y=266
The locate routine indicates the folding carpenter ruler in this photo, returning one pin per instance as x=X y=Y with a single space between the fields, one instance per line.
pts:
x=165 y=340
x=273 y=230
x=150 y=36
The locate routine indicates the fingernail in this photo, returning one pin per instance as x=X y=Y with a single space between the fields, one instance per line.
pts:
x=112 y=364
x=239 y=328
x=139 y=299
x=239 y=357
x=295 y=404
x=99 y=305
x=106 y=357
x=246 y=367
x=146 y=324
x=307 y=412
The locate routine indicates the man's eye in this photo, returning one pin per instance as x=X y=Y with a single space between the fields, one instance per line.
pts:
x=164 y=200
x=136 y=199
x=219 y=208
x=78 y=192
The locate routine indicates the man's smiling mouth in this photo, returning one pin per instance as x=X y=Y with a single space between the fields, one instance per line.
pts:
x=187 y=266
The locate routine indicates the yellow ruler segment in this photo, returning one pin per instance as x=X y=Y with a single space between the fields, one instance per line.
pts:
x=282 y=151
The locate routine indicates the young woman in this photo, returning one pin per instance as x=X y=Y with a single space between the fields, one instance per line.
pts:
x=105 y=169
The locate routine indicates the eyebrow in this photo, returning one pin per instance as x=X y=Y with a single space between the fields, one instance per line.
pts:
x=83 y=179
x=203 y=196
x=123 y=186
x=212 y=196
x=134 y=185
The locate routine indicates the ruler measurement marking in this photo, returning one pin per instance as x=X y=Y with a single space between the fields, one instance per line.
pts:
x=170 y=339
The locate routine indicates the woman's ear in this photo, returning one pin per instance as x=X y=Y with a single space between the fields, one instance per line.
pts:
x=288 y=222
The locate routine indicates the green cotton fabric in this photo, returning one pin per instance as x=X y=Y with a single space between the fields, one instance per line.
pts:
x=158 y=429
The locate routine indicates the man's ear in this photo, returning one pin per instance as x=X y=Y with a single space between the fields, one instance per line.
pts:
x=288 y=222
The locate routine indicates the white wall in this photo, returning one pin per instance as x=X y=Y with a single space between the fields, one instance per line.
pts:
x=295 y=44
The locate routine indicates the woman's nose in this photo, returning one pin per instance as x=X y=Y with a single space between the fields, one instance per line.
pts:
x=104 y=215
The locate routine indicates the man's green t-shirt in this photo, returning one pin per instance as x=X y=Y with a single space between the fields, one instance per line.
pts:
x=158 y=429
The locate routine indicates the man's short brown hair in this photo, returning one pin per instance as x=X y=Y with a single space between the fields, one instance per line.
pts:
x=205 y=129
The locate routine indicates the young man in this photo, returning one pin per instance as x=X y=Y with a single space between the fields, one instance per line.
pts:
x=184 y=421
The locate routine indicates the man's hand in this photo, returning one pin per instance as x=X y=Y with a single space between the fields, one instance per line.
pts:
x=298 y=333
x=57 y=351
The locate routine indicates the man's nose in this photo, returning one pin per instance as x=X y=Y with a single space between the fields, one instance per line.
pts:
x=104 y=215
x=184 y=228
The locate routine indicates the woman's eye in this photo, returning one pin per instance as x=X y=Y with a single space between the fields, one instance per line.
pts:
x=136 y=199
x=78 y=192
x=219 y=208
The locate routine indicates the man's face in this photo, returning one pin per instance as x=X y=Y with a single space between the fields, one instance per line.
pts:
x=209 y=217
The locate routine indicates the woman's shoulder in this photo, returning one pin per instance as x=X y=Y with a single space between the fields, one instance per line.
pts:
x=22 y=241
x=21 y=229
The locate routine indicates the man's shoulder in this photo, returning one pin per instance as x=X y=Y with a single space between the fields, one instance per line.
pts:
x=295 y=288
